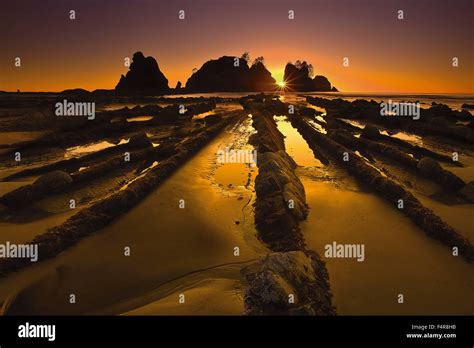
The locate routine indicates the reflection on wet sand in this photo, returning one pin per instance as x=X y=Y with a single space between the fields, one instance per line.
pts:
x=183 y=236
x=165 y=243
x=390 y=239
x=340 y=211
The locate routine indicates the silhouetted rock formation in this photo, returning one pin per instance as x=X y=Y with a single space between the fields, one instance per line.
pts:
x=222 y=75
x=297 y=78
x=260 y=78
x=144 y=77
x=321 y=83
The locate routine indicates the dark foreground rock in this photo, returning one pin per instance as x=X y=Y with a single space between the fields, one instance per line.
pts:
x=211 y=119
x=47 y=184
x=101 y=213
x=428 y=167
x=281 y=200
x=394 y=193
x=372 y=132
x=103 y=127
x=139 y=140
x=268 y=138
x=148 y=153
x=438 y=120
x=59 y=181
x=53 y=181
x=432 y=169
x=293 y=281
x=71 y=164
x=362 y=145
x=290 y=283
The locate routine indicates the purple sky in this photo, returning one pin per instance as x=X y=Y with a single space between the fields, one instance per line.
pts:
x=385 y=54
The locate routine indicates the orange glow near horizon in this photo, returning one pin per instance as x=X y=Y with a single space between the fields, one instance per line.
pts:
x=354 y=79
x=409 y=56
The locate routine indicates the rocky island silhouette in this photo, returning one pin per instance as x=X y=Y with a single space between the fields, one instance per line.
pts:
x=225 y=74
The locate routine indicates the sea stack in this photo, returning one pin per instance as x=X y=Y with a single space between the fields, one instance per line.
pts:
x=298 y=79
x=231 y=74
x=144 y=77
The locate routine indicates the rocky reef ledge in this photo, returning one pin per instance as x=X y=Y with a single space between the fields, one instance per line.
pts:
x=101 y=213
x=292 y=280
x=337 y=145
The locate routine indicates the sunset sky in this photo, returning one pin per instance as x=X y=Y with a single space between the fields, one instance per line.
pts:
x=385 y=54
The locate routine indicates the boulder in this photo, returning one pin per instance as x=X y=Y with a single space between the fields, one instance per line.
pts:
x=433 y=170
x=309 y=112
x=211 y=119
x=165 y=150
x=48 y=183
x=371 y=132
x=429 y=166
x=53 y=181
x=139 y=140
x=271 y=281
x=149 y=109
x=20 y=197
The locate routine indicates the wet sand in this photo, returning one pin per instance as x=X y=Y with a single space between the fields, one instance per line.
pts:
x=190 y=251
x=217 y=291
x=166 y=242
x=399 y=258
x=295 y=145
x=7 y=138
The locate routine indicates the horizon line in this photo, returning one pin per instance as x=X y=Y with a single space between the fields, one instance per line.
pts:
x=254 y=92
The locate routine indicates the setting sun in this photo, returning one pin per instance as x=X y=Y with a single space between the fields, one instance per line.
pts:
x=281 y=84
